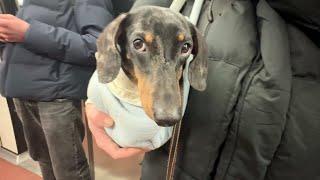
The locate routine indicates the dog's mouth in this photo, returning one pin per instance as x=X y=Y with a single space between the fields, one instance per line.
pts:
x=166 y=123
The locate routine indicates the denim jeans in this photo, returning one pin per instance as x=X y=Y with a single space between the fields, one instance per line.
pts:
x=54 y=132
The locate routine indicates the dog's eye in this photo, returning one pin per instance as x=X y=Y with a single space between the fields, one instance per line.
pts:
x=186 y=48
x=139 y=45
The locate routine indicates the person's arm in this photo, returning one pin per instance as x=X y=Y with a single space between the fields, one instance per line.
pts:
x=58 y=43
x=64 y=45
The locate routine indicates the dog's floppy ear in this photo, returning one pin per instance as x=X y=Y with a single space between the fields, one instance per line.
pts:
x=198 y=68
x=108 y=55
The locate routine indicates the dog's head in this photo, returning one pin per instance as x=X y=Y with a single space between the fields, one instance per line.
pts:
x=152 y=45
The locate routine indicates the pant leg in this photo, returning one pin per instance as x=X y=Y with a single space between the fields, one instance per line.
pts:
x=34 y=136
x=64 y=132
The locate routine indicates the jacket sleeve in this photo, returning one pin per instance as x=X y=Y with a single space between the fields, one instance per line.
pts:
x=91 y=16
x=163 y=3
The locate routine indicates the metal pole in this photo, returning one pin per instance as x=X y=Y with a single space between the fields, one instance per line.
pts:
x=195 y=12
x=177 y=5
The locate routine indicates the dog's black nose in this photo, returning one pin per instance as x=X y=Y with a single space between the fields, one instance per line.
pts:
x=167 y=118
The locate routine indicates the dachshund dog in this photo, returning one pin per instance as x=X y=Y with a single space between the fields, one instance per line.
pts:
x=151 y=45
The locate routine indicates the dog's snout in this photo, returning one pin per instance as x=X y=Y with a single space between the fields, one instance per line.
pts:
x=167 y=117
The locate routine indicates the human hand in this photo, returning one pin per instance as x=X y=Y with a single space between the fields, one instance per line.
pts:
x=97 y=121
x=12 y=29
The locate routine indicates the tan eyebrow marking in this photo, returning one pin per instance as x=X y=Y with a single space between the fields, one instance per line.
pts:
x=148 y=37
x=181 y=37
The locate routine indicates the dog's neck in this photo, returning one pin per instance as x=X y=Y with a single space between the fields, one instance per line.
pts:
x=123 y=88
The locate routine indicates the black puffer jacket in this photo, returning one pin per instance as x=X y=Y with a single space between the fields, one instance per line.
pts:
x=259 y=118
x=57 y=58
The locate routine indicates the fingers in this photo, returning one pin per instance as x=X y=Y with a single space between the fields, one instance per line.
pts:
x=105 y=143
x=15 y=28
x=98 y=118
x=7 y=38
x=5 y=23
x=117 y=152
x=6 y=16
x=4 y=38
x=122 y=153
x=4 y=30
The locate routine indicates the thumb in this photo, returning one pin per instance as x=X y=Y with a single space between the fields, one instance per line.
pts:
x=98 y=118
x=108 y=121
